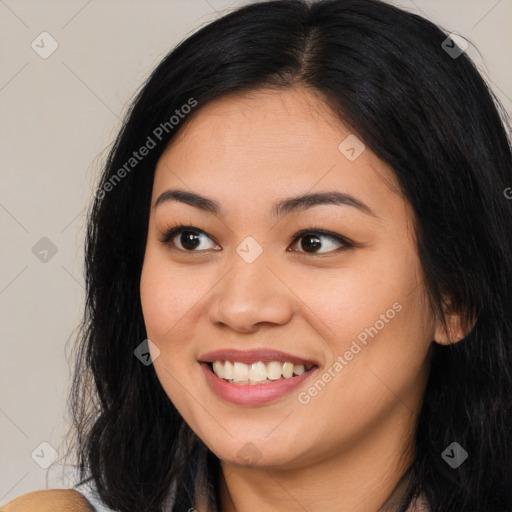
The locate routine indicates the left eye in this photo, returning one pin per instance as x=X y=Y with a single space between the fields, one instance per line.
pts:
x=312 y=240
x=190 y=239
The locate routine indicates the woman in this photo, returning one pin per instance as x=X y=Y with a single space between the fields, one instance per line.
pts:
x=299 y=275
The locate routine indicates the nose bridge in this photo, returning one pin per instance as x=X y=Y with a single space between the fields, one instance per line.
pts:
x=250 y=293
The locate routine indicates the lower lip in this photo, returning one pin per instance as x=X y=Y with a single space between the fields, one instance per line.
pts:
x=244 y=394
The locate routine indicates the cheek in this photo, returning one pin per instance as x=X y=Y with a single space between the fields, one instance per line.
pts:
x=166 y=299
x=341 y=302
x=377 y=319
x=170 y=300
x=167 y=296
x=384 y=360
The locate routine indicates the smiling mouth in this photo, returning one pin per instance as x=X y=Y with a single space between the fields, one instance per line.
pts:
x=258 y=373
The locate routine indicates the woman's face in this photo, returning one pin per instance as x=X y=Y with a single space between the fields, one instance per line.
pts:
x=241 y=280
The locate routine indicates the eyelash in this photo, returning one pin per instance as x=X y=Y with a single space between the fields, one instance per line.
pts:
x=346 y=244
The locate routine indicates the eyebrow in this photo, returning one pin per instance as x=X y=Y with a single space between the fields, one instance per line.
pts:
x=279 y=209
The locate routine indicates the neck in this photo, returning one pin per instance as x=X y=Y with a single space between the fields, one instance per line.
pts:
x=370 y=476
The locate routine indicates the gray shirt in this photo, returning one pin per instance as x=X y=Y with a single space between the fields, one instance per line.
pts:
x=88 y=489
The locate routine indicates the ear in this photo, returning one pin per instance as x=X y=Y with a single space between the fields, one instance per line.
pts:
x=454 y=331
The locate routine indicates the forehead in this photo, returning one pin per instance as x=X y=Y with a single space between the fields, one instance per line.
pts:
x=263 y=141
x=264 y=118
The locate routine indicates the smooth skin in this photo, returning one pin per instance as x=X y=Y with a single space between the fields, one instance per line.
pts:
x=349 y=446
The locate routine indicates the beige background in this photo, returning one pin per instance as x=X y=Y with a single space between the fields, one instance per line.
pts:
x=57 y=116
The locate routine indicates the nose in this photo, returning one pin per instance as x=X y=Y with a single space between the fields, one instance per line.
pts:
x=249 y=296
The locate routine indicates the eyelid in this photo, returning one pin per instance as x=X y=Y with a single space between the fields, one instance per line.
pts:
x=328 y=234
x=345 y=243
x=173 y=231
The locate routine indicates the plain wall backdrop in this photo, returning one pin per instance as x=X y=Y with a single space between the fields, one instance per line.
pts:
x=67 y=72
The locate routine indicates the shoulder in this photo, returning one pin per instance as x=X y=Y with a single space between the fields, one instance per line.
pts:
x=49 y=500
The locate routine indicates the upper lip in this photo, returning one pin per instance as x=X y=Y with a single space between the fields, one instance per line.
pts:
x=253 y=356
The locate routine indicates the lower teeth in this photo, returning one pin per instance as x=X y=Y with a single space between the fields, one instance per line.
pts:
x=253 y=383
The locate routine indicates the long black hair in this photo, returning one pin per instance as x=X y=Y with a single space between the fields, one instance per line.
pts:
x=425 y=111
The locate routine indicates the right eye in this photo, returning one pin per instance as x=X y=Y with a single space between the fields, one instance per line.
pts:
x=188 y=237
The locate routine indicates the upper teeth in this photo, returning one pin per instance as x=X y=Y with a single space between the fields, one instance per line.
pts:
x=257 y=372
